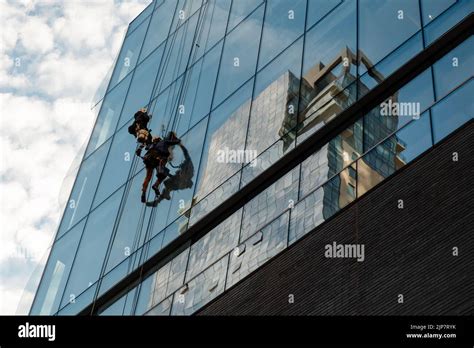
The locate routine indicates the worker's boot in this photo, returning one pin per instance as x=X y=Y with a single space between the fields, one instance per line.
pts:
x=156 y=188
x=143 y=197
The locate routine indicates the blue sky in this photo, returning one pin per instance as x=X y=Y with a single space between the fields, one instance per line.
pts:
x=54 y=55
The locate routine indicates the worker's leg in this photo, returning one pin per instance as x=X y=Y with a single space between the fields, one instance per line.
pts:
x=146 y=181
x=161 y=174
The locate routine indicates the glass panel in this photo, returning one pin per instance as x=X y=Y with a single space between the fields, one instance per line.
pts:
x=202 y=289
x=177 y=52
x=144 y=301
x=164 y=108
x=128 y=56
x=117 y=167
x=258 y=249
x=448 y=19
x=108 y=116
x=384 y=25
x=159 y=27
x=129 y=235
x=141 y=87
x=331 y=158
x=453 y=111
x=214 y=245
x=241 y=9
x=163 y=308
x=116 y=308
x=239 y=56
x=185 y=9
x=80 y=302
x=162 y=283
x=393 y=113
x=317 y=9
x=226 y=130
x=322 y=203
x=275 y=103
x=213 y=28
x=270 y=203
x=139 y=19
x=225 y=137
x=197 y=96
x=328 y=67
x=93 y=247
x=431 y=9
x=284 y=23
x=179 y=187
x=84 y=189
x=56 y=272
x=454 y=68
x=389 y=64
x=393 y=154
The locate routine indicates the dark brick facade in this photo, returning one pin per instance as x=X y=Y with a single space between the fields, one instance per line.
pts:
x=408 y=251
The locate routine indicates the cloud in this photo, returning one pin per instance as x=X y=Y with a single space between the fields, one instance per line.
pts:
x=54 y=55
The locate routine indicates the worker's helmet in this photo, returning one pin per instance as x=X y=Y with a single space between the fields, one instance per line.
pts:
x=143 y=110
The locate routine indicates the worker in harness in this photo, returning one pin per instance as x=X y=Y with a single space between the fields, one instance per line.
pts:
x=139 y=129
x=156 y=157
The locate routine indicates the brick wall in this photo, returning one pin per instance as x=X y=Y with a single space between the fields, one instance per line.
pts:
x=408 y=251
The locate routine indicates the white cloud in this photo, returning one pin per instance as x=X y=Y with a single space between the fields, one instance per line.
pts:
x=65 y=50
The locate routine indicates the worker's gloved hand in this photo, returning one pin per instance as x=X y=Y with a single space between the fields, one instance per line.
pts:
x=138 y=152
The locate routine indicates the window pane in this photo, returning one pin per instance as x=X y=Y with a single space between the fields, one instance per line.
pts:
x=128 y=57
x=317 y=9
x=164 y=108
x=118 y=165
x=453 y=111
x=213 y=28
x=56 y=272
x=141 y=87
x=454 y=68
x=180 y=186
x=406 y=104
x=448 y=19
x=159 y=27
x=275 y=104
x=131 y=225
x=433 y=8
x=384 y=25
x=264 y=208
x=331 y=158
x=393 y=154
x=162 y=283
x=84 y=189
x=177 y=52
x=226 y=132
x=197 y=96
x=259 y=248
x=108 y=116
x=241 y=9
x=93 y=247
x=239 y=56
x=215 y=244
x=141 y=17
x=200 y=290
x=389 y=64
x=284 y=23
x=328 y=67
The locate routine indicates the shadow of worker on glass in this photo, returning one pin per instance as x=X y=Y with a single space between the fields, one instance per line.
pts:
x=180 y=180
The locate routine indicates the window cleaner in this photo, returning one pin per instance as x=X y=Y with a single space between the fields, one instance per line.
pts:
x=157 y=156
x=139 y=129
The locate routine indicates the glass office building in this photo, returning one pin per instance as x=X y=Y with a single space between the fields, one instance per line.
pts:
x=244 y=84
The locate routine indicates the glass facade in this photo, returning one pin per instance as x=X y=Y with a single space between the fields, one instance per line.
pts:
x=244 y=82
